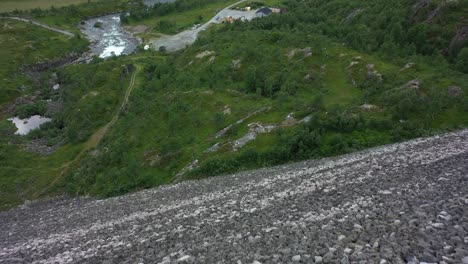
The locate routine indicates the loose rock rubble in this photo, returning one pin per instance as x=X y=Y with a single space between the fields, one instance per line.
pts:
x=407 y=66
x=204 y=54
x=402 y=203
x=454 y=91
x=372 y=73
x=236 y=64
x=413 y=84
x=307 y=52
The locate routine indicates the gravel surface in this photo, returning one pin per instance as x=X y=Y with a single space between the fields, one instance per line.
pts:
x=188 y=37
x=402 y=203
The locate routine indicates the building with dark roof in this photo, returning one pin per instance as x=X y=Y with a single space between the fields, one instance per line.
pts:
x=264 y=11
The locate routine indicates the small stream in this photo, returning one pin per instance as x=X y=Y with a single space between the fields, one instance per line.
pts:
x=107 y=36
x=107 y=39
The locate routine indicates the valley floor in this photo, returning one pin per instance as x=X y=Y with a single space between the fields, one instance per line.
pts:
x=400 y=203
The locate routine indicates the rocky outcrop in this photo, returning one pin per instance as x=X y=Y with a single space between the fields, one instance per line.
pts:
x=54 y=107
x=306 y=52
x=454 y=91
x=407 y=66
x=368 y=107
x=205 y=53
x=22 y=100
x=459 y=41
x=40 y=146
x=223 y=131
x=353 y=14
x=402 y=203
x=52 y=63
x=373 y=74
x=236 y=64
x=413 y=84
x=189 y=167
x=254 y=130
x=418 y=10
x=308 y=78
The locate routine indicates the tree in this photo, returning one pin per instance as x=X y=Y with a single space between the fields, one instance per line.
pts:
x=461 y=63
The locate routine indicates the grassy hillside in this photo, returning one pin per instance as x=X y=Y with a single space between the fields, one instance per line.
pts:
x=89 y=96
x=174 y=117
x=349 y=74
x=11 y=5
x=23 y=44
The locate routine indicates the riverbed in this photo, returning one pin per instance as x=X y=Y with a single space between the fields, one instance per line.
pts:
x=107 y=36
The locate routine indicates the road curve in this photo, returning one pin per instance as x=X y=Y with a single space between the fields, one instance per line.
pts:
x=401 y=203
x=188 y=37
x=61 y=31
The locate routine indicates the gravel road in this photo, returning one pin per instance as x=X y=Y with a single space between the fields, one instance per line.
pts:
x=188 y=37
x=402 y=203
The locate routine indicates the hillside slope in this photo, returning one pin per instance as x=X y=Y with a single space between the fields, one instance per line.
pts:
x=319 y=79
x=399 y=203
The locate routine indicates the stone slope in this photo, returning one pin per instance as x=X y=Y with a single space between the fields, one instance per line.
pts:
x=402 y=203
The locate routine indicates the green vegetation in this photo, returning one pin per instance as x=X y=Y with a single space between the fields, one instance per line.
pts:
x=173 y=118
x=69 y=17
x=11 y=5
x=174 y=17
x=364 y=73
x=90 y=95
x=23 y=44
x=255 y=4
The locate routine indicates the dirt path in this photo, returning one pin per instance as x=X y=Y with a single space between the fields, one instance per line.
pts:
x=98 y=135
x=94 y=140
x=61 y=31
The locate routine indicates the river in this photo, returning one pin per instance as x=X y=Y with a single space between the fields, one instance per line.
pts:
x=107 y=36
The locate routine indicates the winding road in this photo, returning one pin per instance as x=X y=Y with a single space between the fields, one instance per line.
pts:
x=401 y=203
x=188 y=37
x=61 y=31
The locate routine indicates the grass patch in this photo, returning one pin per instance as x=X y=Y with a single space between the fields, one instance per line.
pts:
x=11 y=5
x=173 y=23
x=24 y=44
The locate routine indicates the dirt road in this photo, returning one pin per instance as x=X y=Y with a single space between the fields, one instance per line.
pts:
x=61 y=31
x=188 y=37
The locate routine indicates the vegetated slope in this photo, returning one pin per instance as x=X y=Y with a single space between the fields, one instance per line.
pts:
x=69 y=17
x=306 y=92
x=24 y=45
x=87 y=98
x=354 y=98
x=393 y=28
x=170 y=18
x=402 y=203
x=12 y=5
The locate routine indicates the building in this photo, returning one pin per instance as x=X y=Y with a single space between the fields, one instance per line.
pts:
x=264 y=11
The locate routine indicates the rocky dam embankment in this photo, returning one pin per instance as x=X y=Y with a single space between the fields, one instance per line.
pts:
x=401 y=203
